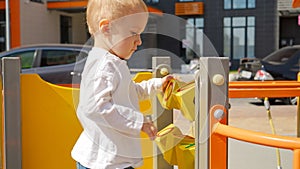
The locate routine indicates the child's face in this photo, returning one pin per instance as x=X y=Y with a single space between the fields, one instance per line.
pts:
x=125 y=36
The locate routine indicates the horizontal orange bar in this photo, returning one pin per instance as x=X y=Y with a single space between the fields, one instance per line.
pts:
x=263 y=84
x=67 y=4
x=271 y=140
x=261 y=89
x=264 y=92
x=83 y=3
x=2 y=4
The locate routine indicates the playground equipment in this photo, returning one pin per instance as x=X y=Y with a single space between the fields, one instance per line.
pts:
x=212 y=130
x=39 y=132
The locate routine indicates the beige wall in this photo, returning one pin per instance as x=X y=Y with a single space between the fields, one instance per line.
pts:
x=79 y=28
x=40 y=25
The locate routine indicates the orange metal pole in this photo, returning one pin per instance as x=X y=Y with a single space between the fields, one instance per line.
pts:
x=247 y=89
x=298 y=109
x=264 y=84
x=257 y=137
x=296 y=160
x=271 y=140
x=15 y=23
x=218 y=143
x=263 y=92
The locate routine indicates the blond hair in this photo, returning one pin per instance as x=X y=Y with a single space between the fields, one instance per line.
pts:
x=111 y=9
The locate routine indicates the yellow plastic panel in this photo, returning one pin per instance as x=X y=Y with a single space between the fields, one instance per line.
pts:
x=145 y=105
x=146 y=108
x=50 y=127
x=185 y=97
x=49 y=124
x=166 y=140
x=185 y=152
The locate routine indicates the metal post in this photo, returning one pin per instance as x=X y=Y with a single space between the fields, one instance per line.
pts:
x=161 y=116
x=11 y=125
x=211 y=89
x=7 y=20
x=298 y=109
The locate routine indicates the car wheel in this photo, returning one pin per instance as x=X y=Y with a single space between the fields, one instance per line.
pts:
x=290 y=100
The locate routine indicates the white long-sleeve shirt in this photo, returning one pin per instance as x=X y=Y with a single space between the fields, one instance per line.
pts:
x=109 y=113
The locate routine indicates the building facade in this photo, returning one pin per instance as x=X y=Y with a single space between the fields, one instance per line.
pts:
x=38 y=21
x=235 y=28
x=239 y=28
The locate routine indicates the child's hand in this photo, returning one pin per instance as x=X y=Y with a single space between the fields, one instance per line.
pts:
x=149 y=128
x=165 y=81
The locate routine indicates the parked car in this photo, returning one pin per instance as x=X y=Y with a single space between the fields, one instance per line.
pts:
x=283 y=64
x=54 y=63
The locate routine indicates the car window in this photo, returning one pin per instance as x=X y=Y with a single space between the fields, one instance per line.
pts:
x=58 y=57
x=26 y=58
x=281 y=56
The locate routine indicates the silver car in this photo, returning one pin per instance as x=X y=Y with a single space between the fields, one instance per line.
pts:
x=55 y=63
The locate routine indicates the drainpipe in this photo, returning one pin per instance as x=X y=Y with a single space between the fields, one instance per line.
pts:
x=7 y=19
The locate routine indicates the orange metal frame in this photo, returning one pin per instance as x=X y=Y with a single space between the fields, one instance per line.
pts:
x=220 y=131
x=271 y=140
x=217 y=144
x=248 y=89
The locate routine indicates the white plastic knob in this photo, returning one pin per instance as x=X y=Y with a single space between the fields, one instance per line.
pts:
x=164 y=71
x=218 y=79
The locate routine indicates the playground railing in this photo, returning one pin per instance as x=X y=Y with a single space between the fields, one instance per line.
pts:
x=262 y=139
x=260 y=89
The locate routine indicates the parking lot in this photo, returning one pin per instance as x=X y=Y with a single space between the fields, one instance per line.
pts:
x=251 y=114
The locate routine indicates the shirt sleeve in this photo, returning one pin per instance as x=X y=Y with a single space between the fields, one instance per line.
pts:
x=104 y=112
x=147 y=89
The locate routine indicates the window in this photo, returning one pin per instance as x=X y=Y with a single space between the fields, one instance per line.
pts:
x=190 y=0
x=65 y=29
x=193 y=37
x=39 y=1
x=152 y=1
x=239 y=37
x=58 y=57
x=26 y=58
x=239 y=4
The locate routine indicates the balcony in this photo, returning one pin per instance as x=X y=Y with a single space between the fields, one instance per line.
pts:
x=80 y=5
x=67 y=5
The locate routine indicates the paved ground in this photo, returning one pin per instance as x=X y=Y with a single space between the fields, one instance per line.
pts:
x=251 y=114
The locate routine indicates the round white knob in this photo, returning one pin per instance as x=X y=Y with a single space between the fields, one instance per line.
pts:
x=218 y=79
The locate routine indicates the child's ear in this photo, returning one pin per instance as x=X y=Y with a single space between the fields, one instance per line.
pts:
x=104 y=26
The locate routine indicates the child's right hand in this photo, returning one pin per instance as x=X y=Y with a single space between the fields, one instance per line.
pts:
x=149 y=128
x=165 y=81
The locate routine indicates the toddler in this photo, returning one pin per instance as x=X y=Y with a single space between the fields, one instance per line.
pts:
x=108 y=108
